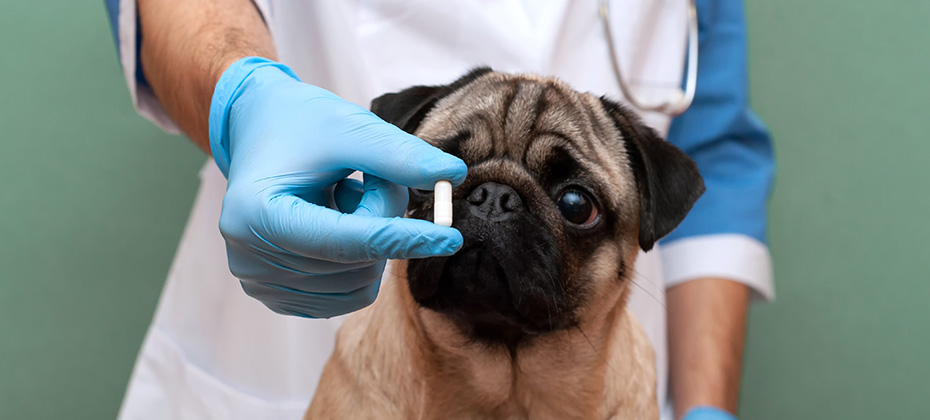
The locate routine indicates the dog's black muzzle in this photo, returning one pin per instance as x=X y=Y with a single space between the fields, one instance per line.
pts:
x=505 y=283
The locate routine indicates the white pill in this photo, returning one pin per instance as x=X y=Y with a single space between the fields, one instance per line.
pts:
x=442 y=203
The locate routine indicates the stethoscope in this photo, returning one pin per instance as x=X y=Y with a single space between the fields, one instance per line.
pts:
x=680 y=100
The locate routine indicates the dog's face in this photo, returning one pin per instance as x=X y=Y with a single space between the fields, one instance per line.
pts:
x=563 y=188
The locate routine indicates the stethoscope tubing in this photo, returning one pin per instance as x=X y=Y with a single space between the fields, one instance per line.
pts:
x=682 y=99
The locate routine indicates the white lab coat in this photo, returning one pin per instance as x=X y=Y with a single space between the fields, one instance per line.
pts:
x=214 y=353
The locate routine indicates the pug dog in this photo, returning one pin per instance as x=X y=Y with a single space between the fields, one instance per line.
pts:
x=528 y=320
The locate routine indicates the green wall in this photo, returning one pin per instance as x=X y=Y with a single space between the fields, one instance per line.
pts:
x=93 y=200
x=844 y=86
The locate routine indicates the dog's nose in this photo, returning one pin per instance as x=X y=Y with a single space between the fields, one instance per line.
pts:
x=493 y=202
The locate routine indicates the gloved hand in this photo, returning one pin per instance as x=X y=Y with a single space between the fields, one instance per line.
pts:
x=286 y=148
x=708 y=413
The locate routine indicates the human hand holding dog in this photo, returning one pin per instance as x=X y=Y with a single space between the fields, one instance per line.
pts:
x=707 y=327
x=301 y=238
x=708 y=413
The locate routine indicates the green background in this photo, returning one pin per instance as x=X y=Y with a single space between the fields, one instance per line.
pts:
x=93 y=199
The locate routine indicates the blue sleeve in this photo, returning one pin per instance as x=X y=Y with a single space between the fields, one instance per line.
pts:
x=113 y=7
x=731 y=146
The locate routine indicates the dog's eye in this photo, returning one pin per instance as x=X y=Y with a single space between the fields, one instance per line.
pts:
x=578 y=208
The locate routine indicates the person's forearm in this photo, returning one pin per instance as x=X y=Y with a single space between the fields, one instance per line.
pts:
x=707 y=328
x=186 y=46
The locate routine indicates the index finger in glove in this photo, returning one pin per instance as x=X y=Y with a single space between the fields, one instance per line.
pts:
x=401 y=158
x=314 y=231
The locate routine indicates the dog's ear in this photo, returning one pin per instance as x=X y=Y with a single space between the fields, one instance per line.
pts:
x=667 y=179
x=407 y=108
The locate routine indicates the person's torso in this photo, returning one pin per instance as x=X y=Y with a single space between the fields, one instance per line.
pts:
x=360 y=49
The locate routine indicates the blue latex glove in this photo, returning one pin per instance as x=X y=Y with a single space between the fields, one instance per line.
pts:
x=286 y=148
x=708 y=413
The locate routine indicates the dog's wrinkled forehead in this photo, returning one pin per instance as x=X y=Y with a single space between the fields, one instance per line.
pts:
x=540 y=126
x=540 y=123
